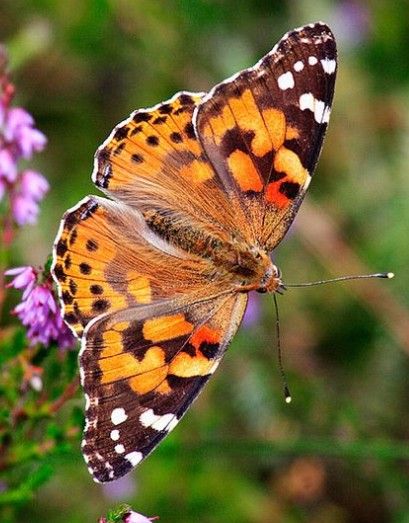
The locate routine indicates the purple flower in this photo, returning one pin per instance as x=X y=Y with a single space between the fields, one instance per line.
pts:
x=33 y=185
x=14 y=120
x=38 y=310
x=134 y=517
x=19 y=139
x=19 y=129
x=24 y=279
x=27 y=193
x=25 y=210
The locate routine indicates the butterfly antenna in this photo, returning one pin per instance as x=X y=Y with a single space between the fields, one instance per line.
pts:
x=286 y=389
x=387 y=275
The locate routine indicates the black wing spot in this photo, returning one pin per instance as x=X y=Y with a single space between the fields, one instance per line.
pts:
x=176 y=137
x=142 y=117
x=137 y=158
x=85 y=268
x=289 y=189
x=152 y=140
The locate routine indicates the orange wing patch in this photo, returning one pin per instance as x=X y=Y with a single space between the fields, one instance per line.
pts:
x=124 y=364
x=244 y=171
x=166 y=328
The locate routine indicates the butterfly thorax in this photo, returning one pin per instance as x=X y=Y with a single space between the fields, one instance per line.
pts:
x=248 y=266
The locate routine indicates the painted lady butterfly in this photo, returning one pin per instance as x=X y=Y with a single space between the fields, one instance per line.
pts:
x=155 y=280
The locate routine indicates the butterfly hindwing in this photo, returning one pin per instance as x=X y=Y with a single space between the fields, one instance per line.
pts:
x=262 y=130
x=106 y=259
x=141 y=369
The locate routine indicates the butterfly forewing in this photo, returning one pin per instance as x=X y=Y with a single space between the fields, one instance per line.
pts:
x=262 y=130
x=153 y=162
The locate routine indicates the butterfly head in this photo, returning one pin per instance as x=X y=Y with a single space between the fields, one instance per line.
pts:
x=263 y=276
x=271 y=280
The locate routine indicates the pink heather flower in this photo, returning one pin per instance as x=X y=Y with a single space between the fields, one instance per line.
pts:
x=38 y=310
x=16 y=118
x=33 y=185
x=27 y=193
x=19 y=129
x=18 y=139
x=25 y=210
x=134 y=517
x=24 y=279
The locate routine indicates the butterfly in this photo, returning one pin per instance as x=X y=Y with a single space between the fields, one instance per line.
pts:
x=155 y=278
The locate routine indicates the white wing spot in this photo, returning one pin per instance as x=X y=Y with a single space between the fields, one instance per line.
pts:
x=157 y=422
x=118 y=416
x=119 y=449
x=318 y=107
x=329 y=65
x=114 y=435
x=163 y=422
x=312 y=60
x=286 y=81
x=148 y=417
x=298 y=66
x=134 y=457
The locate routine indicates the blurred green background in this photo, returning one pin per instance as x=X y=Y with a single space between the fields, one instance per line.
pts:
x=339 y=452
